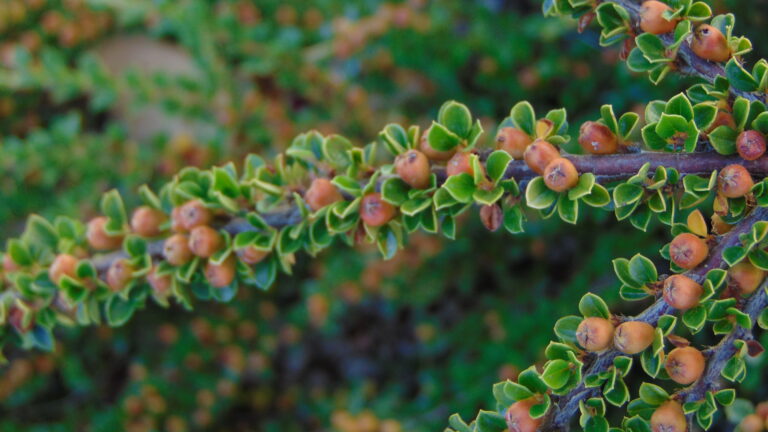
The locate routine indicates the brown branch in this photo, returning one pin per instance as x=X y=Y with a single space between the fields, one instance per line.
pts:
x=567 y=406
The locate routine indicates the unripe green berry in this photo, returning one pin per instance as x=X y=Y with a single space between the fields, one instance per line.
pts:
x=688 y=251
x=734 y=181
x=205 y=241
x=251 y=255
x=750 y=145
x=685 y=365
x=539 y=154
x=519 y=419
x=595 y=334
x=681 y=292
x=413 y=168
x=652 y=19
x=669 y=417
x=321 y=193
x=146 y=221
x=513 y=141
x=597 y=138
x=194 y=214
x=376 y=212
x=746 y=277
x=221 y=275
x=176 y=250
x=63 y=264
x=98 y=238
x=119 y=274
x=633 y=337
x=560 y=175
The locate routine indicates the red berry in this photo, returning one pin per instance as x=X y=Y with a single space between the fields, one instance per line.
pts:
x=734 y=181
x=539 y=154
x=750 y=145
x=376 y=212
x=595 y=334
x=146 y=221
x=176 y=250
x=119 y=274
x=681 y=292
x=251 y=255
x=688 y=251
x=513 y=141
x=321 y=193
x=685 y=365
x=98 y=238
x=560 y=175
x=205 y=241
x=63 y=264
x=669 y=417
x=652 y=19
x=413 y=168
x=710 y=44
x=633 y=337
x=597 y=138
x=221 y=275
x=194 y=214
x=519 y=417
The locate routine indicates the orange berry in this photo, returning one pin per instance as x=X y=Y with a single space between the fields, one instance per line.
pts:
x=221 y=275
x=461 y=162
x=519 y=417
x=762 y=410
x=560 y=175
x=513 y=141
x=413 y=168
x=205 y=241
x=751 y=423
x=321 y=193
x=146 y=221
x=597 y=138
x=723 y=118
x=746 y=277
x=719 y=226
x=176 y=250
x=98 y=238
x=685 y=365
x=176 y=225
x=119 y=274
x=539 y=154
x=681 y=292
x=632 y=337
x=688 y=251
x=161 y=284
x=194 y=214
x=63 y=264
x=595 y=334
x=734 y=181
x=376 y=212
x=750 y=144
x=669 y=417
x=431 y=153
x=710 y=44
x=251 y=255
x=652 y=19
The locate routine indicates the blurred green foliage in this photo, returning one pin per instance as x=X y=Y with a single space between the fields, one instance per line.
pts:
x=349 y=343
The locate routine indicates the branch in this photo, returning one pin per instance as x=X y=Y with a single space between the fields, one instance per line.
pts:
x=567 y=406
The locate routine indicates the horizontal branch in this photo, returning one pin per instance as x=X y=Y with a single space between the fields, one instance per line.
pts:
x=567 y=406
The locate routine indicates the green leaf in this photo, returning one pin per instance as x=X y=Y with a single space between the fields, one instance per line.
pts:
x=680 y=105
x=591 y=305
x=556 y=373
x=442 y=139
x=488 y=421
x=739 y=77
x=642 y=269
x=565 y=328
x=538 y=195
x=460 y=187
x=524 y=117
x=496 y=165
x=113 y=208
x=723 y=139
x=394 y=191
x=653 y=394
x=456 y=117
x=119 y=310
x=626 y=194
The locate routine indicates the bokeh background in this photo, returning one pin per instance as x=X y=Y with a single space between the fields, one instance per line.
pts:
x=117 y=93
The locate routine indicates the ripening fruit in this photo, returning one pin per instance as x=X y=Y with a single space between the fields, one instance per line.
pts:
x=176 y=250
x=194 y=214
x=652 y=19
x=681 y=292
x=431 y=153
x=221 y=275
x=9 y=265
x=597 y=138
x=98 y=238
x=176 y=225
x=746 y=277
x=723 y=118
x=161 y=284
x=513 y=141
x=734 y=181
x=146 y=221
x=719 y=226
x=684 y=365
x=688 y=251
x=751 y=423
x=413 y=168
x=519 y=417
x=710 y=44
x=669 y=417
x=205 y=241
x=461 y=162
x=251 y=255
x=321 y=193
x=560 y=175
x=750 y=144
x=595 y=334
x=539 y=154
x=376 y=212
x=119 y=274
x=64 y=264
x=632 y=337
x=762 y=410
